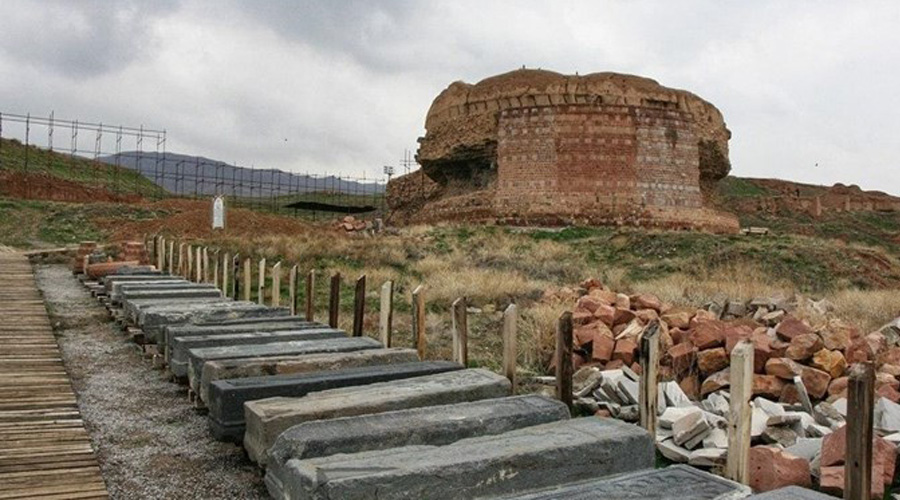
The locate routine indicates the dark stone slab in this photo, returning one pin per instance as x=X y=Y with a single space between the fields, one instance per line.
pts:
x=153 y=318
x=115 y=287
x=111 y=279
x=227 y=369
x=191 y=292
x=431 y=425
x=678 y=482
x=227 y=397
x=257 y=325
x=134 y=307
x=516 y=461
x=124 y=289
x=178 y=348
x=197 y=357
x=268 y=418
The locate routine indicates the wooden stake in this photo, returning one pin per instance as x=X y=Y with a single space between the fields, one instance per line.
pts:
x=386 y=316
x=334 y=300
x=170 y=257
x=860 y=402
x=261 y=282
x=248 y=279
x=418 y=319
x=276 y=285
x=510 y=316
x=359 y=306
x=189 y=272
x=649 y=388
x=181 y=264
x=205 y=274
x=564 y=344
x=199 y=270
x=460 y=328
x=226 y=263
x=235 y=270
x=292 y=295
x=310 y=295
x=160 y=252
x=739 y=418
x=215 y=277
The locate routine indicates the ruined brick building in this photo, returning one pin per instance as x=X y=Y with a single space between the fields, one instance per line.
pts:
x=538 y=147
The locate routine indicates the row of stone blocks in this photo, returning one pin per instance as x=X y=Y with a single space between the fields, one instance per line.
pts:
x=338 y=417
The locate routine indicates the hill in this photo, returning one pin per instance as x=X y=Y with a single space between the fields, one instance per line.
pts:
x=196 y=175
x=38 y=173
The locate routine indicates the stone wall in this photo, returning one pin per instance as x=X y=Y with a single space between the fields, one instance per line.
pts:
x=535 y=147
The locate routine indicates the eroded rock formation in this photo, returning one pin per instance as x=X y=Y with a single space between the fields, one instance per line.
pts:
x=538 y=147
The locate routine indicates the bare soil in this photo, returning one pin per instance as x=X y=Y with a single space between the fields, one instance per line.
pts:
x=150 y=442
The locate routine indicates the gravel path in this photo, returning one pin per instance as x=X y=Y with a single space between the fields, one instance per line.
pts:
x=150 y=442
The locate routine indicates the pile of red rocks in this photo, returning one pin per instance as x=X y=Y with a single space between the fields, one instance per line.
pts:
x=351 y=224
x=799 y=372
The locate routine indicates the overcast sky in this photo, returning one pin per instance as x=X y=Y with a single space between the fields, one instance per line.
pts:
x=343 y=86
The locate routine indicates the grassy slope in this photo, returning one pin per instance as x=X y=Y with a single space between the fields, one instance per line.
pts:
x=13 y=156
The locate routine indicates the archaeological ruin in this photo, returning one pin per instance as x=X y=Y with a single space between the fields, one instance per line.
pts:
x=538 y=147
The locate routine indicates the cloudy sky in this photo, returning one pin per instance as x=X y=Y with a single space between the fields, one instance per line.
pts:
x=810 y=90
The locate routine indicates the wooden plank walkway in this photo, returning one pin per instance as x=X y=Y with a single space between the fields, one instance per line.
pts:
x=45 y=451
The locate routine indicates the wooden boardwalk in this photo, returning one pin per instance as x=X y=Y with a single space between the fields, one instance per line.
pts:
x=45 y=451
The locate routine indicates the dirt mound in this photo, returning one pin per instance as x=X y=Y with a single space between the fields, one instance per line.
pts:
x=43 y=186
x=193 y=219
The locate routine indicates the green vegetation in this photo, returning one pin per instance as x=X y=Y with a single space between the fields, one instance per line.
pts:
x=737 y=187
x=35 y=224
x=16 y=157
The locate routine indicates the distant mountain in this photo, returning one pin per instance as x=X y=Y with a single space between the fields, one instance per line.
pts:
x=183 y=174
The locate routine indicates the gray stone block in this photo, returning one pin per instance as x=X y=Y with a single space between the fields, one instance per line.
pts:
x=267 y=418
x=189 y=292
x=241 y=325
x=178 y=348
x=431 y=425
x=114 y=288
x=198 y=357
x=516 y=461
x=227 y=397
x=792 y=493
x=133 y=308
x=281 y=365
x=153 y=318
x=678 y=482
x=109 y=281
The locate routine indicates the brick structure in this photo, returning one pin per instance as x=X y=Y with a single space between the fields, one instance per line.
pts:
x=537 y=147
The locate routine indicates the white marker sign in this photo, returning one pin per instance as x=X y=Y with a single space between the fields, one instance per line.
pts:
x=218 y=213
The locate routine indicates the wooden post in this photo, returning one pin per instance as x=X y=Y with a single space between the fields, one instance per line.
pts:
x=215 y=277
x=261 y=282
x=248 y=279
x=292 y=295
x=311 y=295
x=510 y=315
x=564 y=344
x=170 y=257
x=199 y=270
x=334 y=300
x=418 y=319
x=181 y=264
x=860 y=402
x=649 y=359
x=226 y=263
x=276 y=285
x=738 y=463
x=206 y=264
x=359 y=306
x=235 y=267
x=160 y=253
x=189 y=272
x=386 y=316
x=460 y=328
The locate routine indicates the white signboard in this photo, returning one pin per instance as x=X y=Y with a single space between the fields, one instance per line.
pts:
x=218 y=213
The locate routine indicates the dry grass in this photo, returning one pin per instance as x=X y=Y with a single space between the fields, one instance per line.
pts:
x=494 y=267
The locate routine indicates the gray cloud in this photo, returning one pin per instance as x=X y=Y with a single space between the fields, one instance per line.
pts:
x=347 y=83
